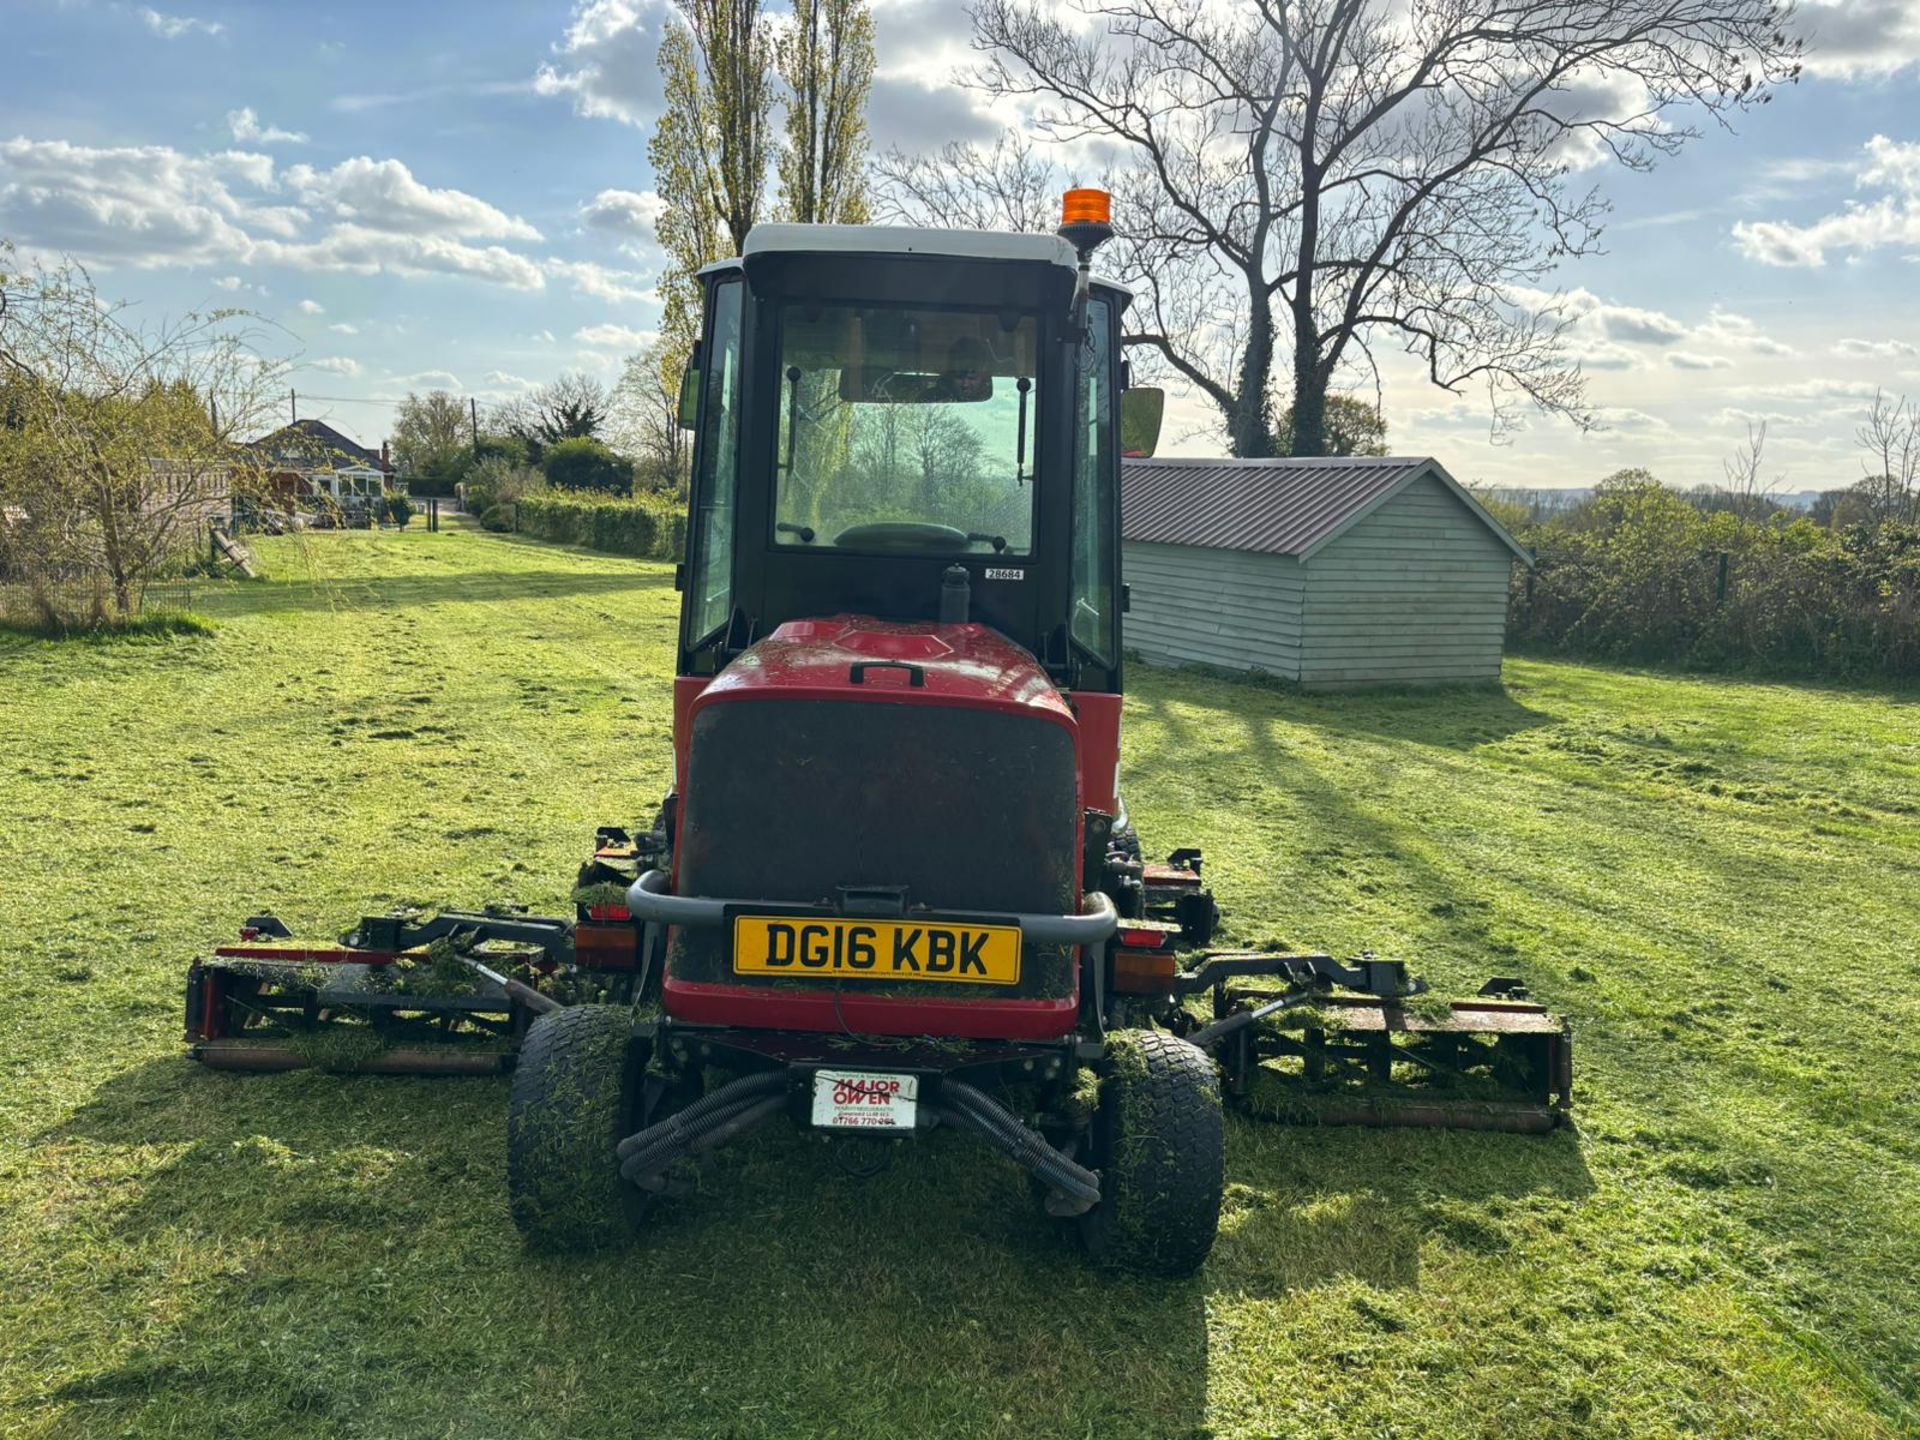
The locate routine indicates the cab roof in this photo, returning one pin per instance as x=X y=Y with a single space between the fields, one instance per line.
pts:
x=909 y=240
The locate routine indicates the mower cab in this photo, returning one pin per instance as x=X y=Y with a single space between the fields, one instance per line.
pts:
x=895 y=888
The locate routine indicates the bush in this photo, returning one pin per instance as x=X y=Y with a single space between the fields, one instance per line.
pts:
x=652 y=527
x=399 y=510
x=586 y=464
x=1640 y=574
x=498 y=518
x=499 y=480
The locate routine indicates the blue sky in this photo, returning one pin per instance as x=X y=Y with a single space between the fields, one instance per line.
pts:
x=458 y=196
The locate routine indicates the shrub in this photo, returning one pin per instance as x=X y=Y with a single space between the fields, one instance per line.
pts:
x=1640 y=574
x=585 y=464
x=649 y=526
x=499 y=480
x=399 y=510
x=498 y=518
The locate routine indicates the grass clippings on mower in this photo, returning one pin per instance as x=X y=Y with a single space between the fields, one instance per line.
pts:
x=1714 y=879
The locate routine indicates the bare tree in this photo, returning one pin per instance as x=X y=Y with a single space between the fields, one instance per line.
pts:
x=1890 y=437
x=118 y=442
x=1325 y=175
x=645 y=416
x=1005 y=186
x=1747 y=487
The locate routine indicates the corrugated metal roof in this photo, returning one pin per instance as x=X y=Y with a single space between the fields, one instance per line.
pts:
x=1271 y=507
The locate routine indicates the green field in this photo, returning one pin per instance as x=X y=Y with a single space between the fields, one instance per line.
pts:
x=1719 y=881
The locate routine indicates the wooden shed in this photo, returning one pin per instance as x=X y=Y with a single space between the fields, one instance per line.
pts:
x=1335 y=573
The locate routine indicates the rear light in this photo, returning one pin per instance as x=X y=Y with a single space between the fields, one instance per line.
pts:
x=606 y=947
x=1144 y=973
x=1133 y=939
x=609 y=912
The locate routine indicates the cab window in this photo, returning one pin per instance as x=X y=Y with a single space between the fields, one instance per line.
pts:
x=1093 y=479
x=710 y=579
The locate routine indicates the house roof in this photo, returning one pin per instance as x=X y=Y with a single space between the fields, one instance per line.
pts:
x=314 y=444
x=1272 y=507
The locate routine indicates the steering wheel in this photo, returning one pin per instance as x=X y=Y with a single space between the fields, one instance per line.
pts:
x=910 y=535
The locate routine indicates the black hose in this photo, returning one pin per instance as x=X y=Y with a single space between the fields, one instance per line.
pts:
x=987 y=1118
x=692 y=1118
x=663 y=1151
x=719 y=1128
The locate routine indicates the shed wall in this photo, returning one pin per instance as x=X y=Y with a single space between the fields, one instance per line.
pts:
x=1192 y=605
x=1416 y=593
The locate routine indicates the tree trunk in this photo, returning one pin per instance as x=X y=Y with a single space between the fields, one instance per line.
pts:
x=1309 y=394
x=1250 y=422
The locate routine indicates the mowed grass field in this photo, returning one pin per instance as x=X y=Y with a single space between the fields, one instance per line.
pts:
x=1720 y=882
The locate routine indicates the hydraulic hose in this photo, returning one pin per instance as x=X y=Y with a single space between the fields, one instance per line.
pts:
x=1003 y=1129
x=693 y=1119
x=646 y=1168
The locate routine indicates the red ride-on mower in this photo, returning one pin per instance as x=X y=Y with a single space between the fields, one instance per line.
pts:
x=894 y=889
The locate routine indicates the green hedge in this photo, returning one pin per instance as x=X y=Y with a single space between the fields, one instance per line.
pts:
x=1639 y=574
x=651 y=526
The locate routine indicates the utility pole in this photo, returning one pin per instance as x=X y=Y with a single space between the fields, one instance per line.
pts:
x=473 y=421
x=293 y=404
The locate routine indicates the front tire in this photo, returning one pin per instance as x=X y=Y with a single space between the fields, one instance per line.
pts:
x=1159 y=1142
x=575 y=1094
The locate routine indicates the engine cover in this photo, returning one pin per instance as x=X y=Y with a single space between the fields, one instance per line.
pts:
x=935 y=761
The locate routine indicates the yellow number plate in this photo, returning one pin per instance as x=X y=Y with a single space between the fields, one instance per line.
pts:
x=876 y=949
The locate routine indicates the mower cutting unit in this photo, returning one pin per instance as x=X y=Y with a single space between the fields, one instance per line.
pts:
x=894 y=888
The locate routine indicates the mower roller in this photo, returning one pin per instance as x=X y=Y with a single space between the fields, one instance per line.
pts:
x=894 y=888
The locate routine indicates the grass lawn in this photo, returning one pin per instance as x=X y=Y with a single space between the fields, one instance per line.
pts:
x=1719 y=881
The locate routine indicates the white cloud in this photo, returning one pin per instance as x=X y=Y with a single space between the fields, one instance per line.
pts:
x=342 y=328
x=1740 y=333
x=629 y=214
x=503 y=380
x=230 y=282
x=362 y=251
x=172 y=27
x=1847 y=39
x=154 y=206
x=383 y=195
x=615 y=286
x=312 y=307
x=1687 y=360
x=428 y=380
x=619 y=337
x=338 y=365
x=245 y=126
x=1622 y=419
x=1874 y=349
x=1891 y=221
x=608 y=60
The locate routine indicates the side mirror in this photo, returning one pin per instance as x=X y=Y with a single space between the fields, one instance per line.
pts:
x=689 y=398
x=1141 y=411
x=690 y=387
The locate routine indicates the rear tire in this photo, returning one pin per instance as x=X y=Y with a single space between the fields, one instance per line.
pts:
x=575 y=1093
x=1159 y=1142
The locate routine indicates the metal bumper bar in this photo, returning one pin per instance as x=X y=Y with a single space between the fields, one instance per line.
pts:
x=648 y=899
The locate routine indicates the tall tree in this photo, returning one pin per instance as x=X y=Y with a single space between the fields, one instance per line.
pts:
x=1315 y=176
x=432 y=437
x=711 y=150
x=826 y=62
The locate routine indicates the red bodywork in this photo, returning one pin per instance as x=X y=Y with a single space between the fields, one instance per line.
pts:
x=961 y=666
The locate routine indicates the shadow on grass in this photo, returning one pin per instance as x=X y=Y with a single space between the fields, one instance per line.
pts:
x=364 y=1236
x=1457 y=717
x=405 y=591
